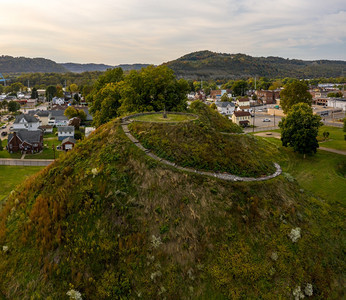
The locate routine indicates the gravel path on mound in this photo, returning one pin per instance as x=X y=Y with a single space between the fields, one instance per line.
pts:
x=224 y=176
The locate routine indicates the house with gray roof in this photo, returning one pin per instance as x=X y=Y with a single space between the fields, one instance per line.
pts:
x=225 y=108
x=65 y=132
x=57 y=118
x=26 y=141
x=26 y=122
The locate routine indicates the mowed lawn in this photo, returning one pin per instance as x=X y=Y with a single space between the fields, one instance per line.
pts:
x=335 y=140
x=323 y=173
x=11 y=176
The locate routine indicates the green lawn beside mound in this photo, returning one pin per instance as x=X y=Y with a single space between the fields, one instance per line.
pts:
x=108 y=221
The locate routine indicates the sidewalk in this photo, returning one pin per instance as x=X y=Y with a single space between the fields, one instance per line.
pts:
x=25 y=162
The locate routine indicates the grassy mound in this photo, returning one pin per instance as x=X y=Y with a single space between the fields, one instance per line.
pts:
x=197 y=146
x=111 y=223
x=170 y=117
x=212 y=119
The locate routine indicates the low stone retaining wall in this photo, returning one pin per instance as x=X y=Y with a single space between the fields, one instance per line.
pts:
x=223 y=176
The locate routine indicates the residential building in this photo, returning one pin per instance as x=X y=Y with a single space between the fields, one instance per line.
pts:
x=268 y=97
x=241 y=118
x=26 y=122
x=243 y=103
x=225 y=108
x=57 y=118
x=65 y=132
x=68 y=143
x=26 y=141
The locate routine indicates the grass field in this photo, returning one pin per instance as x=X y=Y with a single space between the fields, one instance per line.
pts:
x=335 y=140
x=160 y=118
x=322 y=173
x=11 y=176
x=6 y=154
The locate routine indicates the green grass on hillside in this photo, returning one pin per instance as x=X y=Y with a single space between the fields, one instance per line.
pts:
x=11 y=176
x=212 y=119
x=112 y=223
x=171 y=117
x=196 y=146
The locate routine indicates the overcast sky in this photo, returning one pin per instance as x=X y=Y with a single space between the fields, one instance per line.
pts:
x=155 y=31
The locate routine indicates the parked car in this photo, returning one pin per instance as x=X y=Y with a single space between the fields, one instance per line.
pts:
x=266 y=120
x=4 y=133
x=3 y=126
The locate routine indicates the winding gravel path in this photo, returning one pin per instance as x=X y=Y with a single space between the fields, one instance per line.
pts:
x=225 y=176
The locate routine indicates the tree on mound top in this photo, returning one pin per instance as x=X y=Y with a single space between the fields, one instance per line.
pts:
x=153 y=89
x=300 y=129
x=150 y=89
x=294 y=92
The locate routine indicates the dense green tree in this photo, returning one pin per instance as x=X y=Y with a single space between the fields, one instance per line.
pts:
x=13 y=106
x=335 y=95
x=224 y=97
x=153 y=88
x=293 y=93
x=239 y=88
x=1 y=147
x=86 y=90
x=150 y=89
x=227 y=85
x=263 y=83
x=106 y=104
x=105 y=95
x=4 y=104
x=16 y=87
x=34 y=93
x=299 y=129
x=51 y=92
x=1 y=88
x=72 y=112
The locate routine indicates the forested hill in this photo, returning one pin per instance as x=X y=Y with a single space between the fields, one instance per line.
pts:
x=211 y=65
x=79 y=68
x=10 y=65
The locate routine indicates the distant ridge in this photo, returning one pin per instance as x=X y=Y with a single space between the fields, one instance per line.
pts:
x=196 y=65
x=211 y=65
x=79 y=68
x=10 y=65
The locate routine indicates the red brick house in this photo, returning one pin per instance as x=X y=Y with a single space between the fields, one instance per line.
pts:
x=268 y=97
x=25 y=141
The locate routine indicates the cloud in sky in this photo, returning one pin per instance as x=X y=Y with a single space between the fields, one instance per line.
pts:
x=154 y=31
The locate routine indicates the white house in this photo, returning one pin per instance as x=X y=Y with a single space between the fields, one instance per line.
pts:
x=58 y=101
x=26 y=122
x=225 y=108
x=65 y=132
x=57 y=118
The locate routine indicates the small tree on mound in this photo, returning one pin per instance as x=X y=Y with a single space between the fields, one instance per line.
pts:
x=300 y=129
